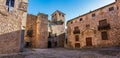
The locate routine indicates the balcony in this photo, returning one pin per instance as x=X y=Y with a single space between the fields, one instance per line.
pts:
x=104 y=27
x=76 y=31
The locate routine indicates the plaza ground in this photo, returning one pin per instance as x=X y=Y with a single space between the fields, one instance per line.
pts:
x=113 y=52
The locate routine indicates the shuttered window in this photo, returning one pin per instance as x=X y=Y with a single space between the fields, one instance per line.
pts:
x=104 y=35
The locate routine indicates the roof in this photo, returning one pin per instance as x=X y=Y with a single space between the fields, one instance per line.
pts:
x=59 y=12
x=91 y=11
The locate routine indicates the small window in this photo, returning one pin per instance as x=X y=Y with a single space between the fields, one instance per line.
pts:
x=81 y=19
x=77 y=45
x=104 y=35
x=87 y=26
x=93 y=15
x=10 y=3
x=76 y=37
x=111 y=8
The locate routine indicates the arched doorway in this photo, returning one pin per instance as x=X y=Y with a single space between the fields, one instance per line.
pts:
x=89 y=37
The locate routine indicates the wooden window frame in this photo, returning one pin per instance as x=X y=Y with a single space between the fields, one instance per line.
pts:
x=76 y=37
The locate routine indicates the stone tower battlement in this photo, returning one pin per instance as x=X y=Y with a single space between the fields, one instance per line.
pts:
x=58 y=17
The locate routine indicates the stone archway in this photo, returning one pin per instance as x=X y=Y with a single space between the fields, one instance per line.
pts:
x=88 y=37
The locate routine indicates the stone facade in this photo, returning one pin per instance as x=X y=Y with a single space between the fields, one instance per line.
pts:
x=36 y=34
x=98 y=28
x=11 y=21
x=57 y=29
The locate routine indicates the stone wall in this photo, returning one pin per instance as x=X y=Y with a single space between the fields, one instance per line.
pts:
x=89 y=28
x=30 y=25
x=118 y=7
x=42 y=30
x=39 y=25
x=10 y=27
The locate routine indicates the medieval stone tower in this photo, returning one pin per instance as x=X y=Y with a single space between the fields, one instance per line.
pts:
x=57 y=29
x=13 y=15
x=36 y=33
x=58 y=17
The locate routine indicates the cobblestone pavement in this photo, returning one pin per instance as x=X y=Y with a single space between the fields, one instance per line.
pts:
x=66 y=53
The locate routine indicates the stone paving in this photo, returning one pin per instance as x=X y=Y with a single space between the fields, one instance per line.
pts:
x=66 y=53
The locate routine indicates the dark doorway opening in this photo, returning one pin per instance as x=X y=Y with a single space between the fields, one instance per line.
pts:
x=55 y=44
x=28 y=45
x=49 y=44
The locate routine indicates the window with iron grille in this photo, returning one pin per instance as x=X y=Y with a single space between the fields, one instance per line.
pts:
x=76 y=30
x=104 y=35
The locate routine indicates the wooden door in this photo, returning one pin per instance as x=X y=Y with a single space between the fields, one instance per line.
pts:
x=89 y=41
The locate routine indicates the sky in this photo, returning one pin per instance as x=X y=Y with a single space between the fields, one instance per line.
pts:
x=72 y=8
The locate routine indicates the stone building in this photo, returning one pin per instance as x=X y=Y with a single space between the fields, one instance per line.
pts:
x=56 y=29
x=36 y=34
x=13 y=15
x=98 y=28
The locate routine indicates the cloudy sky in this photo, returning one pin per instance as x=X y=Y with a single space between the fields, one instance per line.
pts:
x=72 y=8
